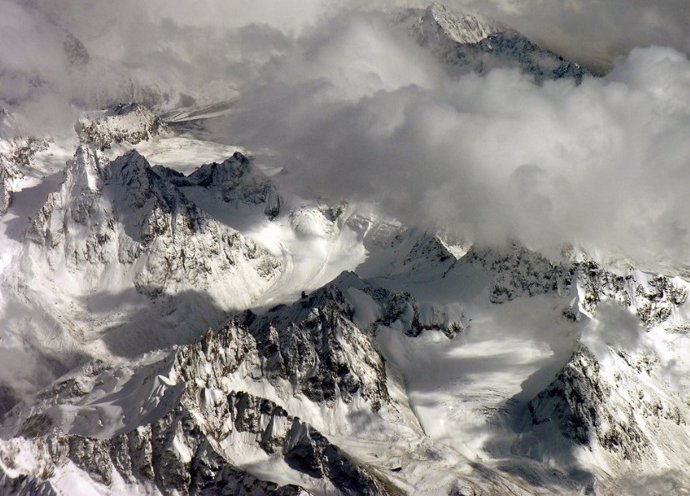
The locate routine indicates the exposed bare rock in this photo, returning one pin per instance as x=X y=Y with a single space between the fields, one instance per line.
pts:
x=122 y=123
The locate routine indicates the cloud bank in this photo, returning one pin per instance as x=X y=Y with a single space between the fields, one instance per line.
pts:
x=604 y=164
x=356 y=111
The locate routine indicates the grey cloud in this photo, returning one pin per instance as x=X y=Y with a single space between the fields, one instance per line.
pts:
x=357 y=111
x=493 y=157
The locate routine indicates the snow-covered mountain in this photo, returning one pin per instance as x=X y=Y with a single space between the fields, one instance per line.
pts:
x=129 y=122
x=17 y=152
x=175 y=322
x=342 y=390
x=466 y=43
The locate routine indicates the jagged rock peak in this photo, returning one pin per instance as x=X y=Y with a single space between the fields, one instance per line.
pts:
x=315 y=346
x=17 y=153
x=463 y=28
x=124 y=122
x=607 y=403
x=195 y=416
x=122 y=212
x=235 y=180
x=227 y=172
x=85 y=171
x=135 y=178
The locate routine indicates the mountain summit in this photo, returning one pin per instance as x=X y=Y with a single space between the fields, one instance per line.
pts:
x=465 y=43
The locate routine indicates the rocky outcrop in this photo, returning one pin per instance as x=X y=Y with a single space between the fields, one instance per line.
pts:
x=122 y=123
x=465 y=43
x=435 y=26
x=428 y=250
x=122 y=212
x=652 y=297
x=236 y=180
x=181 y=453
x=590 y=409
x=518 y=272
x=172 y=454
x=574 y=399
x=25 y=485
x=5 y=190
x=188 y=448
x=316 y=347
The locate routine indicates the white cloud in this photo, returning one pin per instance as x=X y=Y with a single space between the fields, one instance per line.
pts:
x=603 y=164
x=356 y=111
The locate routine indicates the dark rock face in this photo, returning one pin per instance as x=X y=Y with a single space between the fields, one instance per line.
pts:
x=24 y=485
x=428 y=250
x=587 y=408
x=659 y=298
x=235 y=180
x=574 y=399
x=5 y=190
x=519 y=272
x=653 y=299
x=172 y=455
x=315 y=345
x=304 y=448
x=513 y=48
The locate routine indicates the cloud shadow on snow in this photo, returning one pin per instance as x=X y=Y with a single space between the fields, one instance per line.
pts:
x=512 y=422
x=166 y=321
